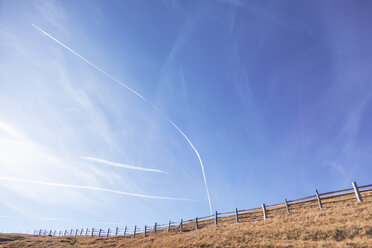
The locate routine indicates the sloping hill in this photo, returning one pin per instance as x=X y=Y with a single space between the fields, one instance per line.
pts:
x=343 y=224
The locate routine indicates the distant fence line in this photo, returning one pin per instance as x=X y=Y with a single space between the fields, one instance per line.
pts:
x=236 y=216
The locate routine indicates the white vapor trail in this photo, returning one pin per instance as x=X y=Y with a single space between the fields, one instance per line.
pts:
x=22 y=180
x=140 y=96
x=98 y=160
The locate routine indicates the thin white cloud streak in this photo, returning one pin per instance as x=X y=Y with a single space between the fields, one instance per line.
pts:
x=140 y=96
x=21 y=180
x=93 y=65
x=102 y=161
x=11 y=131
x=201 y=163
x=6 y=216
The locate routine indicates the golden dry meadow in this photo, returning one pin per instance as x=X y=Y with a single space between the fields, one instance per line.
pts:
x=341 y=224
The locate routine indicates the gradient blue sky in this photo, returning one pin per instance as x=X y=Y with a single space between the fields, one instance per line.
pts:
x=275 y=95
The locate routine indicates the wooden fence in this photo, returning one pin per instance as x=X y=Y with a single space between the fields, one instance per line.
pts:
x=319 y=200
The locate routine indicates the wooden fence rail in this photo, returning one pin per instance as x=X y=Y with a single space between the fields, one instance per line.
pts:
x=245 y=215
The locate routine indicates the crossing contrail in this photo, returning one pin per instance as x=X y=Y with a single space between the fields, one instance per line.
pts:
x=102 y=161
x=143 y=98
x=62 y=185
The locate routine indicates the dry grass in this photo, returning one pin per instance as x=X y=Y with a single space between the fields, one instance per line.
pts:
x=341 y=224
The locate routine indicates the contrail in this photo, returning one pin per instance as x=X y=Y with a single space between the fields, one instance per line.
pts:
x=98 y=160
x=143 y=98
x=22 y=180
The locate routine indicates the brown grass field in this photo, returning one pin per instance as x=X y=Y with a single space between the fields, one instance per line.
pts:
x=341 y=224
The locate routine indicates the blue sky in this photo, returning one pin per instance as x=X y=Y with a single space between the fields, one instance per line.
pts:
x=276 y=96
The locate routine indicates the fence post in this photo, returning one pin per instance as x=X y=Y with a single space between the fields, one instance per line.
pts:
x=76 y=232
x=116 y=231
x=264 y=211
x=50 y=232
x=65 y=233
x=145 y=231
x=40 y=232
x=81 y=231
x=181 y=225
x=92 y=231
x=357 y=193
x=71 y=232
x=236 y=215
x=108 y=232
x=59 y=234
x=196 y=222
x=286 y=204
x=86 y=232
x=155 y=227
x=319 y=201
x=125 y=230
x=54 y=233
x=216 y=218
x=169 y=226
x=134 y=233
x=99 y=233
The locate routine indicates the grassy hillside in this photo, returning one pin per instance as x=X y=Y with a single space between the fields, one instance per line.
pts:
x=343 y=224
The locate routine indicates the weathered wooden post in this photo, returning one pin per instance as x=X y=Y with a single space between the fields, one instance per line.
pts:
x=86 y=232
x=155 y=226
x=145 y=230
x=71 y=232
x=76 y=232
x=264 y=211
x=134 y=233
x=357 y=193
x=216 y=218
x=50 y=232
x=54 y=233
x=40 y=232
x=65 y=233
x=236 y=215
x=196 y=223
x=108 y=232
x=169 y=226
x=181 y=223
x=59 y=234
x=81 y=231
x=125 y=230
x=286 y=204
x=319 y=200
x=92 y=232
x=116 y=231
x=99 y=233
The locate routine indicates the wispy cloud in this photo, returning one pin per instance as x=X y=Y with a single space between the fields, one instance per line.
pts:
x=143 y=98
x=22 y=180
x=11 y=131
x=6 y=216
x=102 y=161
